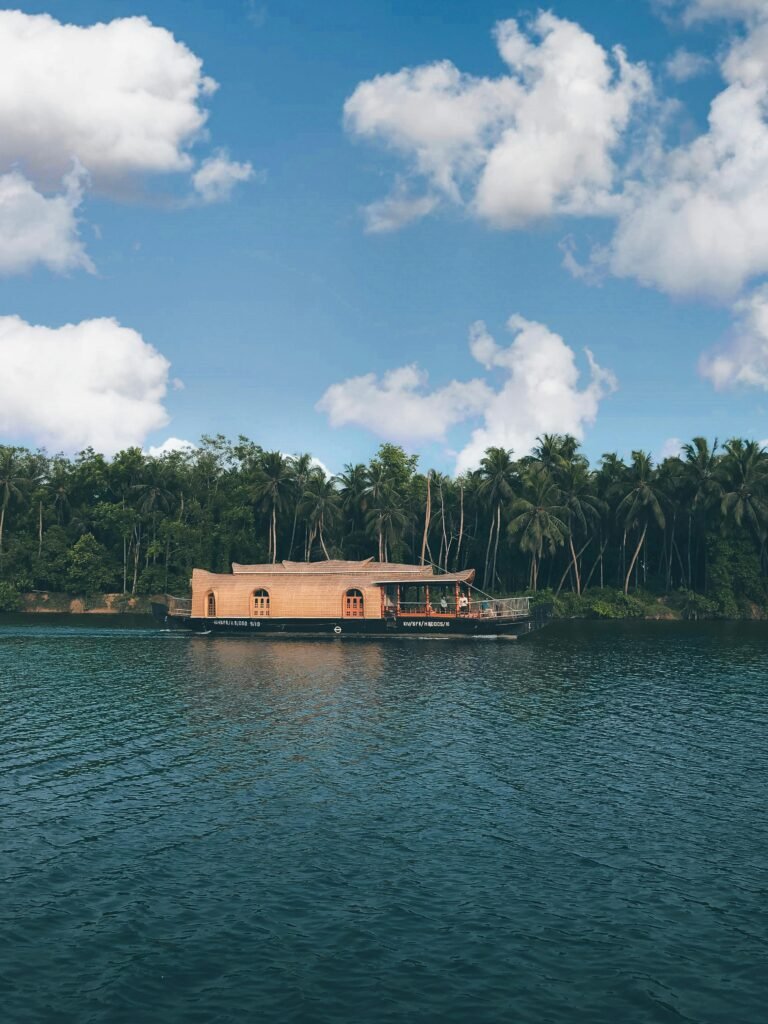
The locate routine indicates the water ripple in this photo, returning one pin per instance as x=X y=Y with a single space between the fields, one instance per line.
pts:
x=568 y=829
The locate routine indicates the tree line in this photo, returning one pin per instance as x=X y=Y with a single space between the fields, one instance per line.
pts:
x=695 y=524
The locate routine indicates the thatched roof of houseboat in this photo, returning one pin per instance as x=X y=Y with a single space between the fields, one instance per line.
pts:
x=336 y=566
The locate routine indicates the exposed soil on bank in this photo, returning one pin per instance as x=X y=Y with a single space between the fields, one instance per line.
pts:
x=49 y=602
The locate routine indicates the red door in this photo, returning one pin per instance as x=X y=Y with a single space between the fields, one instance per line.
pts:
x=353 y=604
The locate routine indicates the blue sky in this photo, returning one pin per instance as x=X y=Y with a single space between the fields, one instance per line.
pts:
x=266 y=287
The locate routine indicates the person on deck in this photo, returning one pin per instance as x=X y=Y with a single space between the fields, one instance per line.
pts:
x=463 y=604
x=443 y=604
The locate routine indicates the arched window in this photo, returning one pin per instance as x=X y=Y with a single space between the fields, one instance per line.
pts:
x=260 y=603
x=210 y=605
x=353 y=604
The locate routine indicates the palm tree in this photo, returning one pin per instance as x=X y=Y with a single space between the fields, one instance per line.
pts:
x=538 y=518
x=321 y=505
x=271 y=489
x=557 y=451
x=642 y=501
x=473 y=507
x=151 y=493
x=384 y=504
x=743 y=476
x=60 y=486
x=12 y=479
x=701 y=463
x=701 y=477
x=352 y=484
x=674 y=482
x=387 y=519
x=300 y=469
x=582 y=506
x=498 y=478
x=609 y=481
x=444 y=488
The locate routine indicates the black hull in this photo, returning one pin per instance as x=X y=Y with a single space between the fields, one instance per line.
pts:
x=340 y=628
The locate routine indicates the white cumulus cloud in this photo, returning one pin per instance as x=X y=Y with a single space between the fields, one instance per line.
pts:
x=123 y=99
x=539 y=392
x=745 y=359
x=698 y=221
x=35 y=228
x=122 y=96
x=536 y=141
x=400 y=405
x=92 y=383
x=171 y=444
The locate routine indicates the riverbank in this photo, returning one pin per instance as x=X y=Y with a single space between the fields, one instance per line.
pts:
x=682 y=605
x=44 y=602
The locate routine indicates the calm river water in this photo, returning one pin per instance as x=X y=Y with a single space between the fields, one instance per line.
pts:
x=571 y=828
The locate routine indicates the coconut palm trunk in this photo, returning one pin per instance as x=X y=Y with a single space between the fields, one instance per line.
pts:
x=569 y=566
x=634 y=558
x=461 y=525
x=322 y=540
x=427 y=517
x=488 y=553
x=496 y=545
x=598 y=561
x=534 y=572
x=444 y=546
x=576 y=574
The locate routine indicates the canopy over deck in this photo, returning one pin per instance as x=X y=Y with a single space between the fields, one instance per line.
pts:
x=466 y=576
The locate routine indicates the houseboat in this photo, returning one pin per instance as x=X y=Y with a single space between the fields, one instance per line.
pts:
x=344 y=598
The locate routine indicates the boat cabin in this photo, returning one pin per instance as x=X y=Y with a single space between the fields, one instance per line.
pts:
x=332 y=589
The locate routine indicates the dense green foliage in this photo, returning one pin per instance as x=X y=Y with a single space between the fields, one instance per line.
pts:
x=614 y=537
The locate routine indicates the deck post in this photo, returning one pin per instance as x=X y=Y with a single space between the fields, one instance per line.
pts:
x=428 y=606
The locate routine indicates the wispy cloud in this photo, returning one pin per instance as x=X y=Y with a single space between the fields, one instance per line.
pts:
x=256 y=13
x=684 y=65
x=217 y=176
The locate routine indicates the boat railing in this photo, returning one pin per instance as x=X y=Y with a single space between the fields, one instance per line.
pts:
x=423 y=609
x=502 y=607
x=478 y=608
x=179 y=605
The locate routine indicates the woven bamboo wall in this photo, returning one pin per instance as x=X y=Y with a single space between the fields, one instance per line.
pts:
x=303 y=595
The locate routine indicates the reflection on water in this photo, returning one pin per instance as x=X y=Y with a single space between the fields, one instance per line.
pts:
x=569 y=828
x=288 y=662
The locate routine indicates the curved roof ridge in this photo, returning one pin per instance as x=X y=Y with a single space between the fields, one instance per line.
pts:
x=333 y=565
